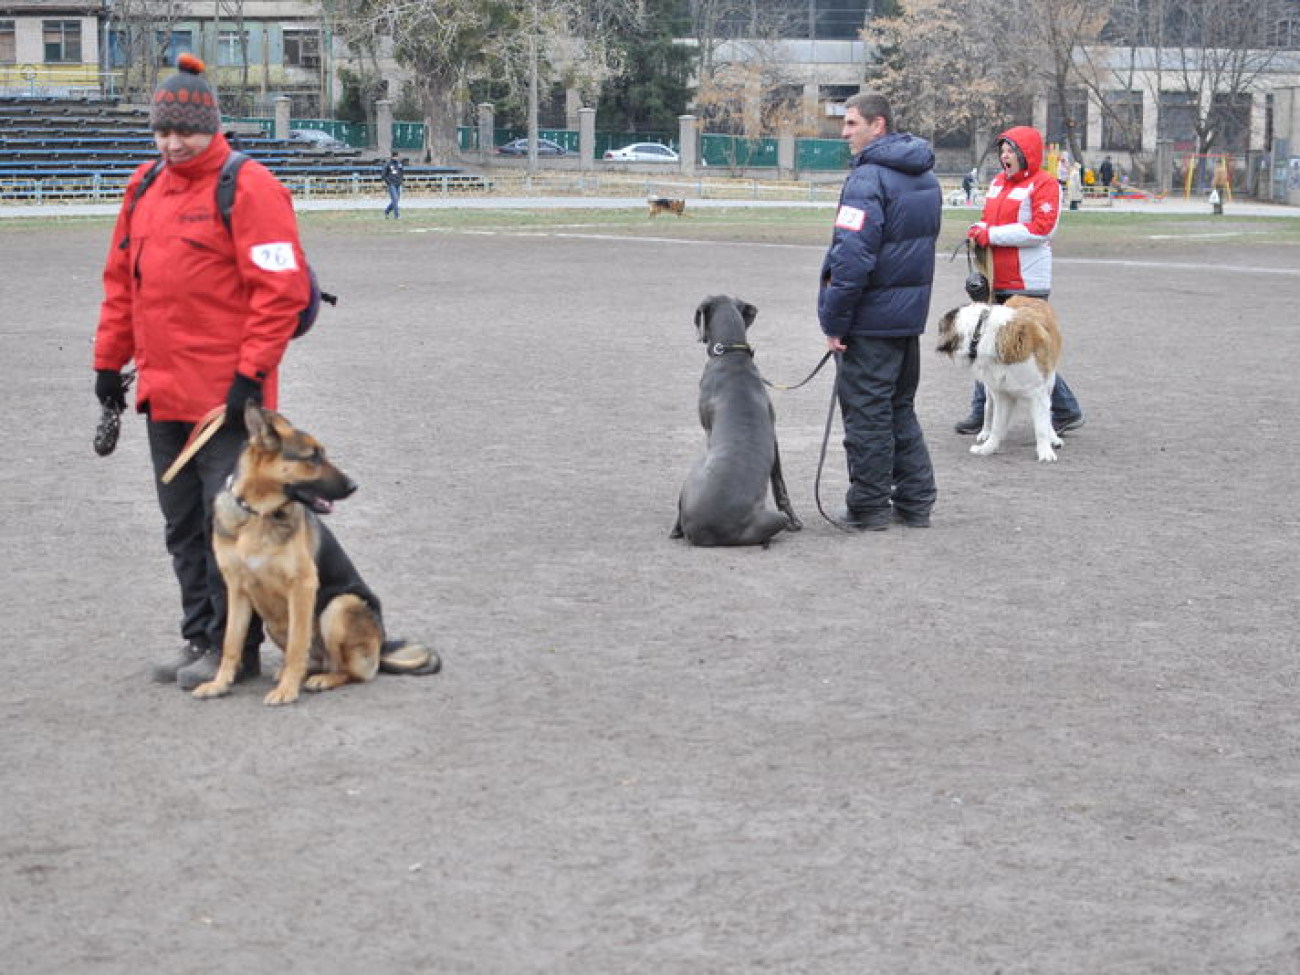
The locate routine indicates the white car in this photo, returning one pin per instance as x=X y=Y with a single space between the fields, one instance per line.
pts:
x=643 y=152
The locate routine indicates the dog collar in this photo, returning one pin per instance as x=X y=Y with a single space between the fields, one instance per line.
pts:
x=245 y=506
x=978 y=333
x=717 y=349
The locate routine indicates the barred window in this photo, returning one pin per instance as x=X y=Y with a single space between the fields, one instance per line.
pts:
x=8 y=43
x=62 y=40
x=302 y=48
x=1121 y=121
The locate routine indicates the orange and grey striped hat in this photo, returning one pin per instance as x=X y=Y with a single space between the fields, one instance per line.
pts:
x=186 y=102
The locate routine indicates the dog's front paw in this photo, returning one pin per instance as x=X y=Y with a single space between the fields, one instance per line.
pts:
x=795 y=524
x=982 y=436
x=281 y=695
x=213 y=688
x=985 y=448
x=1046 y=454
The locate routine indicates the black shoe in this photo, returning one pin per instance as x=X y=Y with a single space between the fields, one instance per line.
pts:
x=1067 y=423
x=862 y=521
x=911 y=520
x=972 y=424
x=205 y=667
x=165 y=672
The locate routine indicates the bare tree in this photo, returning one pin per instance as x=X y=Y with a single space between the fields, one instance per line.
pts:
x=951 y=66
x=446 y=44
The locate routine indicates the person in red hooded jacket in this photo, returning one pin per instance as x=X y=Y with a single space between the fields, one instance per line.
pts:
x=206 y=314
x=1021 y=211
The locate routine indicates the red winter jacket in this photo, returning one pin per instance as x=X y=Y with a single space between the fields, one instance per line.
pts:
x=1021 y=212
x=193 y=304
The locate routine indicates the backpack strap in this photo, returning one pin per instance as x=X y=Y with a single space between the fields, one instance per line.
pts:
x=146 y=181
x=226 y=186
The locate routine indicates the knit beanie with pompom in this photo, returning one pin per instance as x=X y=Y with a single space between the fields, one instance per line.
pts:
x=185 y=102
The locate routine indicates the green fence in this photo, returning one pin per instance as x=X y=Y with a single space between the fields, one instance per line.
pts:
x=723 y=151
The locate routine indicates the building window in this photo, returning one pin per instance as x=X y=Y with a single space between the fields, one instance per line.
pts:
x=1178 y=119
x=8 y=43
x=1121 y=121
x=1230 y=120
x=170 y=45
x=232 y=46
x=1074 y=120
x=62 y=41
x=301 y=48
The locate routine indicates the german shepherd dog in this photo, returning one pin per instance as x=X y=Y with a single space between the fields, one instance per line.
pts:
x=663 y=204
x=277 y=558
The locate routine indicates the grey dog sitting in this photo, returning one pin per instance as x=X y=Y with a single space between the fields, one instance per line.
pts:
x=724 y=499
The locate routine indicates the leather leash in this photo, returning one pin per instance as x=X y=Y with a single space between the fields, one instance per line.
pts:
x=203 y=431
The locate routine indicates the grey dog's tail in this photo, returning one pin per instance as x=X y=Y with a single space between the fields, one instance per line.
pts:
x=411 y=659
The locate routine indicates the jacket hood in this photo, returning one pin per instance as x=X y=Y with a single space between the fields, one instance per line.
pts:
x=1030 y=143
x=901 y=151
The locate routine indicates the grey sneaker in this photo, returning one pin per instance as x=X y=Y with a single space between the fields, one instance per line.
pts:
x=205 y=667
x=1065 y=423
x=972 y=424
x=165 y=672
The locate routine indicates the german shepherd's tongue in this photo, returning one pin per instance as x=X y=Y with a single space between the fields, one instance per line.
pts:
x=321 y=506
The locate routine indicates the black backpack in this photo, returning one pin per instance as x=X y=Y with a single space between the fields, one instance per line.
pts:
x=226 y=184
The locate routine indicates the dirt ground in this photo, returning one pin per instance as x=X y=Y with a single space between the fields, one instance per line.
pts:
x=1055 y=733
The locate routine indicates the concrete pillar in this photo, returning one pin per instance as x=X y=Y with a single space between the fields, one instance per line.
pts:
x=572 y=108
x=384 y=126
x=486 y=131
x=282 y=103
x=688 y=141
x=586 y=139
x=785 y=155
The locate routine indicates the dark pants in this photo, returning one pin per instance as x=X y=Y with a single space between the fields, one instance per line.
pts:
x=887 y=456
x=187 y=518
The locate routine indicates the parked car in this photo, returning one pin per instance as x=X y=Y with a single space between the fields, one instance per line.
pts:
x=519 y=147
x=316 y=137
x=643 y=152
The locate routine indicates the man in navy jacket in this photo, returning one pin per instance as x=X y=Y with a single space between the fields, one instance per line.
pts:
x=873 y=303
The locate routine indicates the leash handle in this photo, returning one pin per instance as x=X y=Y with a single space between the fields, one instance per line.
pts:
x=807 y=379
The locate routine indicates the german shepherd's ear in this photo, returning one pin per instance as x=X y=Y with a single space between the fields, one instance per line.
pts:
x=948 y=337
x=747 y=311
x=260 y=431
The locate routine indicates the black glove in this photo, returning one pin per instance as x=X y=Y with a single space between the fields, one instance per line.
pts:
x=243 y=390
x=109 y=389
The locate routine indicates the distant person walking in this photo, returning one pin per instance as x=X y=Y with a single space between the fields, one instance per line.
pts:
x=393 y=175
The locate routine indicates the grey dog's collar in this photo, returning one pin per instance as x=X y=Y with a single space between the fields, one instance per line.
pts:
x=717 y=349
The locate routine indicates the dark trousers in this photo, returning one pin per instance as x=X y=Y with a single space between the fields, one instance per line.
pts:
x=887 y=456
x=187 y=524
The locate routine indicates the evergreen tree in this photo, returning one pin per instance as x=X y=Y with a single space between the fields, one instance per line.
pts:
x=654 y=87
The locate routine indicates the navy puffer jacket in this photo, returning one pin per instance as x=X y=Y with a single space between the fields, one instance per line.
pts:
x=877 y=274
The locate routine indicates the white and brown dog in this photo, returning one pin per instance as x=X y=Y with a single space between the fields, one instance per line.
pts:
x=1013 y=349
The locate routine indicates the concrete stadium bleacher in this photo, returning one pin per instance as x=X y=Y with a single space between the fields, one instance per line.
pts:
x=84 y=149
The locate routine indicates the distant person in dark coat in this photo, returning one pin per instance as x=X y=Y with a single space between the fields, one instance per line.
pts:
x=393 y=174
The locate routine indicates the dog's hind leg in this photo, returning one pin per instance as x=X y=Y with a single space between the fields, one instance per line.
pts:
x=1045 y=437
x=779 y=493
x=351 y=635
x=239 y=614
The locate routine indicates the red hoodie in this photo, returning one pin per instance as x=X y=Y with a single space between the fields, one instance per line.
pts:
x=1022 y=211
x=193 y=304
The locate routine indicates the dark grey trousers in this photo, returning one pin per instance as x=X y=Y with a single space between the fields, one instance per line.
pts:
x=187 y=525
x=887 y=456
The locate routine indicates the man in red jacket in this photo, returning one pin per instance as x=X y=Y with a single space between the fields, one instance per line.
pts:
x=1020 y=216
x=206 y=314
